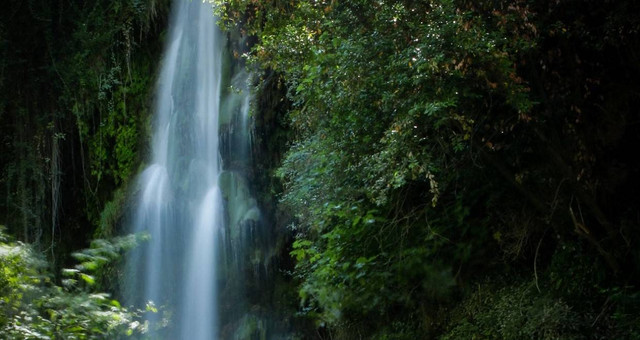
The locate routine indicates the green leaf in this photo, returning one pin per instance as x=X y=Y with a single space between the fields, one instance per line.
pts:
x=87 y=278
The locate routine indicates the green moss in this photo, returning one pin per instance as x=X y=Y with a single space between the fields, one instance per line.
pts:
x=111 y=215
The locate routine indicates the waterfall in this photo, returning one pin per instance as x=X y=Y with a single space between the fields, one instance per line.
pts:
x=191 y=201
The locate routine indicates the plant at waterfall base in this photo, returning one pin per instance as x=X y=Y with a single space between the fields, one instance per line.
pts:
x=33 y=306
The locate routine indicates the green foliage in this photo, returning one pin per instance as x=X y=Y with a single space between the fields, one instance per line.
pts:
x=76 y=112
x=111 y=214
x=385 y=106
x=33 y=307
x=518 y=312
x=439 y=142
x=365 y=264
x=94 y=260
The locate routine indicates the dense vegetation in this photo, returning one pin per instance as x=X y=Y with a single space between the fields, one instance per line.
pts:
x=446 y=169
x=459 y=169
x=75 y=83
x=33 y=306
x=76 y=79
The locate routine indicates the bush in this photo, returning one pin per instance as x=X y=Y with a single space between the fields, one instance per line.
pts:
x=516 y=312
x=33 y=306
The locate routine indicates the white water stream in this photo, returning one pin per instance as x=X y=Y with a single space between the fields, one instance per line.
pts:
x=182 y=199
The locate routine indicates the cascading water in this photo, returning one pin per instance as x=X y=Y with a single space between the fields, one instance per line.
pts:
x=191 y=206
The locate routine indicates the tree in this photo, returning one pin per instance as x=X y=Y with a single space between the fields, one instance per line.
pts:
x=440 y=142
